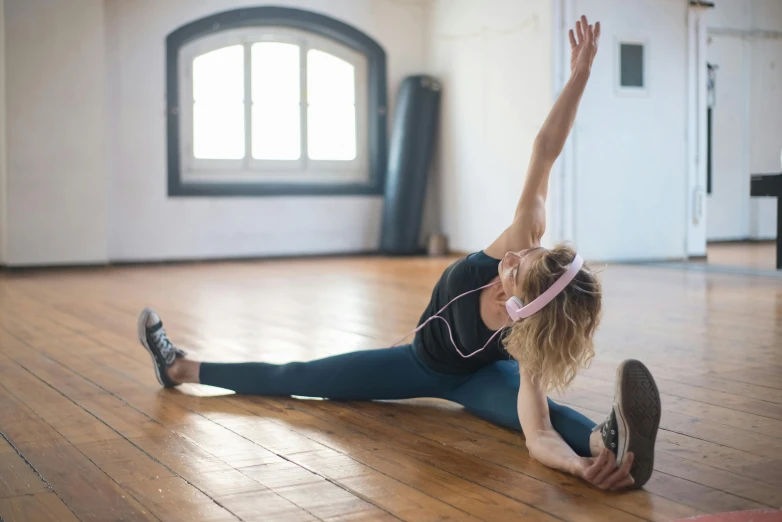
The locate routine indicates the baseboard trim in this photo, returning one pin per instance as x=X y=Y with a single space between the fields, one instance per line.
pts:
x=749 y=240
x=720 y=269
x=184 y=261
x=201 y=260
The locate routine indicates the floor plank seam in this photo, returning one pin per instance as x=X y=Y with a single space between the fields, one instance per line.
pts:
x=19 y=453
x=27 y=495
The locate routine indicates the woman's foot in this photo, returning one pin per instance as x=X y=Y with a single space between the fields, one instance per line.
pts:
x=631 y=427
x=167 y=359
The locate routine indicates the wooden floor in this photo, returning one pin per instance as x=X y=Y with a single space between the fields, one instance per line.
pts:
x=87 y=434
x=760 y=255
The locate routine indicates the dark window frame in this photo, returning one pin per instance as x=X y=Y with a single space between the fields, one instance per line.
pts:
x=377 y=100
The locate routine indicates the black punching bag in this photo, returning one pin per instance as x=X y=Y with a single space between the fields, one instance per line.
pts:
x=412 y=145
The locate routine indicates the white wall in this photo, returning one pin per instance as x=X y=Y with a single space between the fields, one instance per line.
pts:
x=754 y=29
x=619 y=191
x=3 y=189
x=494 y=57
x=764 y=15
x=56 y=177
x=630 y=155
x=86 y=158
x=146 y=224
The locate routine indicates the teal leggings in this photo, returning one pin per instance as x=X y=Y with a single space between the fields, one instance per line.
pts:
x=396 y=373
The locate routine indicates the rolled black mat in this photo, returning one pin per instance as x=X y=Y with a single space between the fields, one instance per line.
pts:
x=410 y=153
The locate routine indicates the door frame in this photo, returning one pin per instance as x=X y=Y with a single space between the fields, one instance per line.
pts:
x=695 y=180
x=561 y=210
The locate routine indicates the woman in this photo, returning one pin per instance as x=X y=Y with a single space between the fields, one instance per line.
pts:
x=506 y=381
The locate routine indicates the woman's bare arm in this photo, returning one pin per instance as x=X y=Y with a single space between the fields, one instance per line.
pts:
x=529 y=221
x=548 y=447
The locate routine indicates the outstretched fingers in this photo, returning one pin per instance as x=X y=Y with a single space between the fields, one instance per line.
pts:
x=584 y=33
x=584 y=27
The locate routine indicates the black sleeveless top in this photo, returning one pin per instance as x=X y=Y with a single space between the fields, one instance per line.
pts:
x=470 y=333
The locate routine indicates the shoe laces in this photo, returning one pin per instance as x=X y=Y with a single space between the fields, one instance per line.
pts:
x=165 y=346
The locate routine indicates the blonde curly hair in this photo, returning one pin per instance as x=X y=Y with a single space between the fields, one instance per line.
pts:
x=555 y=343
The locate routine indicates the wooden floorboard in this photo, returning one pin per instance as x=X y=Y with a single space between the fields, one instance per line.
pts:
x=41 y=507
x=18 y=478
x=87 y=433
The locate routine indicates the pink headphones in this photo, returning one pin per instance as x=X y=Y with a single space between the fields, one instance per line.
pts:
x=514 y=306
x=517 y=310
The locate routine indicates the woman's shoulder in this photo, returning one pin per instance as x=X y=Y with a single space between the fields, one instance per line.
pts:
x=472 y=270
x=481 y=258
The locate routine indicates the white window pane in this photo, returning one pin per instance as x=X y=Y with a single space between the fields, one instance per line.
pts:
x=331 y=132
x=275 y=73
x=218 y=76
x=276 y=132
x=218 y=130
x=276 y=95
x=330 y=80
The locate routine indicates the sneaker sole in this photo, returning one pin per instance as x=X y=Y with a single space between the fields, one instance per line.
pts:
x=142 y=337
x=640 y=408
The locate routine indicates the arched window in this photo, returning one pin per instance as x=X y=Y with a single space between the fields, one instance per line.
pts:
x=273 y=101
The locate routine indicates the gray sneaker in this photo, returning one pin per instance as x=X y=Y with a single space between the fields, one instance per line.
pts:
x=632 y=425
x=154 y=338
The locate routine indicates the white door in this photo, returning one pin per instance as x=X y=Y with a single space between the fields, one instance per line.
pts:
x=629 y=144
x=728 y=204
x=766 y=129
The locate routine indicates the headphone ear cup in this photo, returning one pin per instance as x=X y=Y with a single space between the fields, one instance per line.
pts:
x=514 y=306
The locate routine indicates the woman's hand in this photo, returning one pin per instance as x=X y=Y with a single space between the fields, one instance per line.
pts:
x=601 y=471
x=583 y=45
